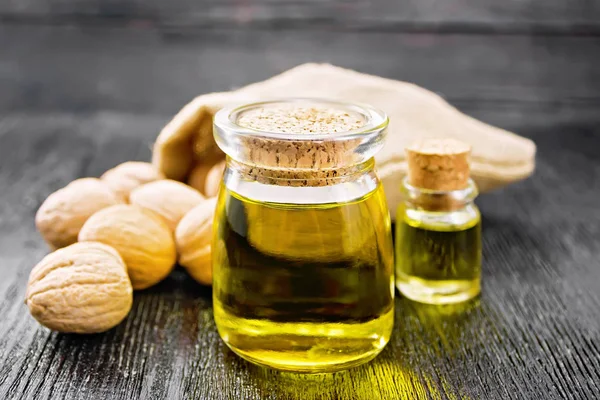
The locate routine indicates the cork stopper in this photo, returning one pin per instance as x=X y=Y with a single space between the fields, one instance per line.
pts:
x=438 y=164
x=301 y=161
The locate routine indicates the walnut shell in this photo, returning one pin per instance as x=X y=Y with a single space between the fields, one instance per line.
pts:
x=169 y=199
x=213 y=179
x=197 y=177
x=63 y=213
x=82 y=288
x=200 y=170
x=125 y=177
x=193 y=238
x=140 y=236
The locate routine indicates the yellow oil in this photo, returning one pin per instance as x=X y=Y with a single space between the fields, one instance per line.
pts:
x=438 y=263
x=304 y=288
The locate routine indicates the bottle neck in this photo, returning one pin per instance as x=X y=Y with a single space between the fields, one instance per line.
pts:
x=440 y=210
x=439 y=201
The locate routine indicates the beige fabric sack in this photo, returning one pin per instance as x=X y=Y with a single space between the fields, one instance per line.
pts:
x=498 y=157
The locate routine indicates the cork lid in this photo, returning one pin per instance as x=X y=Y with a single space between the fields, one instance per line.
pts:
x=300 y=142
x=440 y=164
x=303 y=119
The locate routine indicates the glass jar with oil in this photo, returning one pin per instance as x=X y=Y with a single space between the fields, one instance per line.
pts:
x=438 y=226
x=302 y=253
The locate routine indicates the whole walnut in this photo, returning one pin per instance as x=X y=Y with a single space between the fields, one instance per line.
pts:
x=169 y=199
x=82 y=288
x=193 y=238
x=213 y=179
x=197 y=176
x=63 y=213
x=140 y=236
x=125 y=177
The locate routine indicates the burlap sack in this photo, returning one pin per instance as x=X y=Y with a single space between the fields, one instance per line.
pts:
x=498 y=157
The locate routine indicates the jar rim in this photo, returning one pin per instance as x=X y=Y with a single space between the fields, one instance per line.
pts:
x=376 y=121
x=295 y=153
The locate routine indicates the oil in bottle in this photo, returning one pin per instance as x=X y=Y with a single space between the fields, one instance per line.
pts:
x=438 y=227
x=438 y=263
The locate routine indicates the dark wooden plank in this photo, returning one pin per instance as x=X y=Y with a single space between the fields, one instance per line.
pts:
x=78 y=101
x=146 y=71
x=466 y=15
x=533 y=334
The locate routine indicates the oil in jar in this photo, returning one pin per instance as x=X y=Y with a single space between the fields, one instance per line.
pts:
x=438 y=227
x=304 y=288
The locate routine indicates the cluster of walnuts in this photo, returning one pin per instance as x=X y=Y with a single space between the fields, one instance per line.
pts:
x=122 y=232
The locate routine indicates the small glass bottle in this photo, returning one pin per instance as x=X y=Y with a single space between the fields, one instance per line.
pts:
x=302 y=252
x=438 y=226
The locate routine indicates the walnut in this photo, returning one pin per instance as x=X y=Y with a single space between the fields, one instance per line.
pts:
x=193 y=238
x=213 y=179
x=141 y=237
x=167 y=198
x=63 y=213
x=125 y=177
x=199 y=173
x=82 y=288
x=197 y=177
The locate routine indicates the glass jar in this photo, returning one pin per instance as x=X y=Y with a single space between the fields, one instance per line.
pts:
x=438 y=245
x=302 y=252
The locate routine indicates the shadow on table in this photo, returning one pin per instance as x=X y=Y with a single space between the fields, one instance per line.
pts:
x=424 y=336
x=179 y=284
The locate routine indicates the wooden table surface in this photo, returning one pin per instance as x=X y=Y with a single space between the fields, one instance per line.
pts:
x=86 y=85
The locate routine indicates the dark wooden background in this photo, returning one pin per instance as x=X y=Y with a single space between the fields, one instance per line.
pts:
x=86 y=84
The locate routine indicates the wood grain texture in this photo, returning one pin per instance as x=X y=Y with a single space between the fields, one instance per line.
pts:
x=145 y=71
x=75 y=101
x=533 y=334
x=533 y=16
